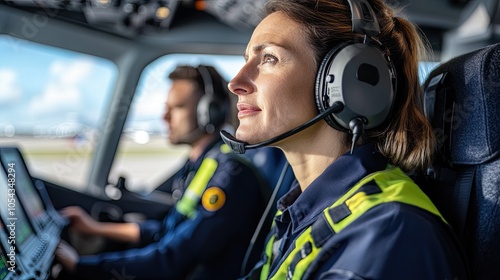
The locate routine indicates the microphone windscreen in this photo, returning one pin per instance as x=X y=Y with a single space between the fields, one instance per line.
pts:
x=236 y=145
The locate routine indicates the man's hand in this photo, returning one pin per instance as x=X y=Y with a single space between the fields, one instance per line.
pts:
x=66 y=256
x=83 y=223
x=80 y=221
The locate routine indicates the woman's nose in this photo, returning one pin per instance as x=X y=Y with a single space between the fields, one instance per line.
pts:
x=242 y=82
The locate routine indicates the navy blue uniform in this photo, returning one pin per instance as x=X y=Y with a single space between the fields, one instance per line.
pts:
x=390 y=241
x=210 y=244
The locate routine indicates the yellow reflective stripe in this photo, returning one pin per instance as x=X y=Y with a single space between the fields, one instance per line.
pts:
x=304 y=263
x=269 y=252
x=396 y=187
x=301 y=266
x=195 y=189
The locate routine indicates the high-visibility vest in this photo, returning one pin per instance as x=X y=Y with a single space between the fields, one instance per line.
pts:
x=389 y=185
x=194 y=191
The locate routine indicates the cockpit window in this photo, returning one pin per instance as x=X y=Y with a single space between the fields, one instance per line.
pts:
x=52 y=106
x=144 y=136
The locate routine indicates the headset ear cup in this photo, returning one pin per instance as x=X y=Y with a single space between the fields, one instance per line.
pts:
x=321 y=92
x=213 y=106
x=219 y=105
x=211 y=113
x=203 y=111
x=361 y=77
x=218 y=111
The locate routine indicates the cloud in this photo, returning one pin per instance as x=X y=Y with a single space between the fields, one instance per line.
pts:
x=57 y=98
x=149 y=106
x=63 y=92
x=9 y=89
x=71 y=73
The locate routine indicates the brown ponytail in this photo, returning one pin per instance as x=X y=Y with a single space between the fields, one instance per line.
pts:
x=408 y=140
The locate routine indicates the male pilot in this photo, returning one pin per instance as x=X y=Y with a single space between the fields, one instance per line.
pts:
x=206 y=234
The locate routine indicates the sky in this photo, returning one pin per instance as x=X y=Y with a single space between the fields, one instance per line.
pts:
x=49 y=90
x=41 y=87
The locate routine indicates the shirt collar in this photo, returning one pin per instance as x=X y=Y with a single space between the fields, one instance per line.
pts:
x=302 y=208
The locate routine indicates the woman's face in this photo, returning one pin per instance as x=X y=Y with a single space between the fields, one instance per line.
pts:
x=275 y=87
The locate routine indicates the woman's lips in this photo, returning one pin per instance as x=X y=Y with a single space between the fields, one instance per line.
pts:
x=247 y=109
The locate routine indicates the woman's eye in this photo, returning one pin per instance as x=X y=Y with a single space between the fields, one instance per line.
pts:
x=269 y=58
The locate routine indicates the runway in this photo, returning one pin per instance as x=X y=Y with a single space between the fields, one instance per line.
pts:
x=67 y=162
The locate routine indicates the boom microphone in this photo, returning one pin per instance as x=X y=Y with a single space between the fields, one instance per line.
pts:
x=240 y=147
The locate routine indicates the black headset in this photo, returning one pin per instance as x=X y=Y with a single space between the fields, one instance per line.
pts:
x=359 y=75
x=212 y=109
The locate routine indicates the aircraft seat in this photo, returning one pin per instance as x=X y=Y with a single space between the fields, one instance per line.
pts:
x=462 y=101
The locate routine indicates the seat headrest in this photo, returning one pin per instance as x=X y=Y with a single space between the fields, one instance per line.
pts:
x=466 y=119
